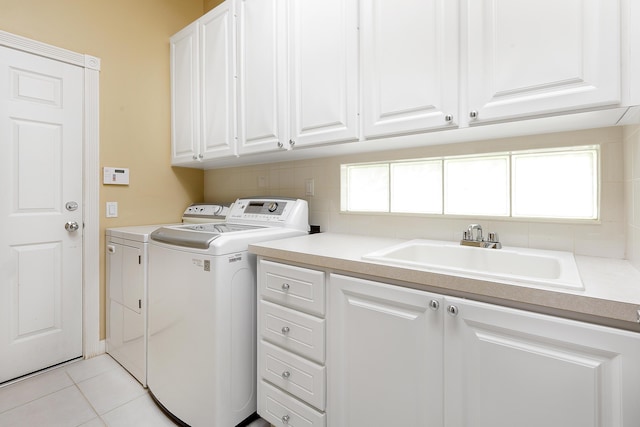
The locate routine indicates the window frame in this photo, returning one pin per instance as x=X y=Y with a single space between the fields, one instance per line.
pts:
x=595 y=148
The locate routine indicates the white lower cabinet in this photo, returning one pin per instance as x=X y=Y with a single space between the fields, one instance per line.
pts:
x=506 y=367
x=384 y=355
x=291 y=345
x=397 y=356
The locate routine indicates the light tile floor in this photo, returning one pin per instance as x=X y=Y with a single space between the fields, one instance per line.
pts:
x=95 y=392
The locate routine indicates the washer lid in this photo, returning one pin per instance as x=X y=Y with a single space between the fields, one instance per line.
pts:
x=198 y=236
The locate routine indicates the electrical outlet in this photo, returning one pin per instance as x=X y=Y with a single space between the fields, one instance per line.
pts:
x=309 y=186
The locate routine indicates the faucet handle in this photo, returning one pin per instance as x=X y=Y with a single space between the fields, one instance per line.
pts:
x=467 y=235
x=493 y=238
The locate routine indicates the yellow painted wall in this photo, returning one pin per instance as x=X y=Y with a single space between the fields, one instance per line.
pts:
x=131 y=37
x=210 y=4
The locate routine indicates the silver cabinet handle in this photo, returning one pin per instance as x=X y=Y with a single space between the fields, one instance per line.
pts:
x=71 y=226
x=285 y=287
x=285 y=330
x=286 y=374
x=452 y=310
x=292 y=143
x=200 y=156
x=194 y=157
x=285 y=419
x=434 y=305
x=448 y=118
x=280 y=144
x=473 y=114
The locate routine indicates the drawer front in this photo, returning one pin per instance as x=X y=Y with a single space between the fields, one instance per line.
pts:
x=295 y=287
x=297 y=332
x=298 y=376
x=279 y=408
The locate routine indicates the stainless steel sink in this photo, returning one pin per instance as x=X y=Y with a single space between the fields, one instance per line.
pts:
x=513 y=265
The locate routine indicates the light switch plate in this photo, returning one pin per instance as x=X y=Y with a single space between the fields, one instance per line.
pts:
x=112 y=209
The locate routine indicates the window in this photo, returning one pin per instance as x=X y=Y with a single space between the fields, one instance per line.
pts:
x=477 y=186
x=557 y=184
x=424 y=197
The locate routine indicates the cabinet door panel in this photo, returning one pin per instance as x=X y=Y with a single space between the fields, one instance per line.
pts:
x=528 y=58
x=262 y=75
x=185 y=110
x=217 y=36
x=324 y=70
x=384 y=355
x=506 y=367
x=410 y=65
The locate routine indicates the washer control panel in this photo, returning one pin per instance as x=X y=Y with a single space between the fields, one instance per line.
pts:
x=274 y=211
x=205 y=212
x=202 y=209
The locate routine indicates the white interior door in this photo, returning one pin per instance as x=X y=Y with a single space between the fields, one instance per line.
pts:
x=41 y=131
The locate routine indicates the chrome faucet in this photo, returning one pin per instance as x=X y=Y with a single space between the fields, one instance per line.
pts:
x=469 y=238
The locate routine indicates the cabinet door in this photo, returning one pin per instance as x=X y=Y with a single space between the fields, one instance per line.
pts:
x=185 y=86
x=217 y=53
x=410 y=65
x=262 y=76
x=505 y=367
x=528 y=58
x=384 y=355
x=323 y=55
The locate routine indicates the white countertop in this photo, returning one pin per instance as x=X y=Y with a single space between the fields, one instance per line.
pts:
x=611 y=295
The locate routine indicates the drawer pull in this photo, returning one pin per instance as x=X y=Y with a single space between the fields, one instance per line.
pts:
x=285 y=330
x=285 y=419
x=285 y=287
x=286 y=374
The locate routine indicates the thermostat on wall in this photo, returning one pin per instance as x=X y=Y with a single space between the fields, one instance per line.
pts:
x=119 y=176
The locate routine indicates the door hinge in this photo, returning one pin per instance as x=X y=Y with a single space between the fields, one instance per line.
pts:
x=139 y=259
x=139 y=303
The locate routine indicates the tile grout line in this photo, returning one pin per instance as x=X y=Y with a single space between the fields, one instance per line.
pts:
x=75 y=384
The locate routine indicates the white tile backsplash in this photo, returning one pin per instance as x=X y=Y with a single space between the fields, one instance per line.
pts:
x=611 y=238
x=632 y=193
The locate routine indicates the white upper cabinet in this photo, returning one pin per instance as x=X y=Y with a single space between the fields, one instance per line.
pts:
x=185 y=109
x=530 y=58
x=298 y=73
x=409 y=65
x=218 y=102
x=262 y=76
x=202 y=88
x=319 y=73
x=323 y=64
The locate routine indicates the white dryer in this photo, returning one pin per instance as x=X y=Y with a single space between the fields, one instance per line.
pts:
x=202 y=311
x=126 y=283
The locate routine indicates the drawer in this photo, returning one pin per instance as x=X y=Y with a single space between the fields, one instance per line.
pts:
x=279 y=408
x=295 y=287
x=295 y=331
x=295 y=375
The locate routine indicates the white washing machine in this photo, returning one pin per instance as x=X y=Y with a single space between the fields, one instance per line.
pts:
x=202 y=311
x=126 y=279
